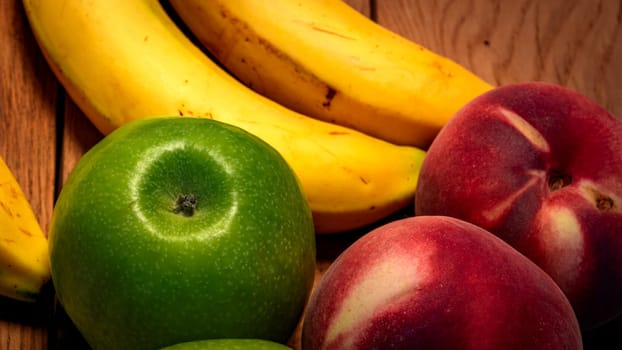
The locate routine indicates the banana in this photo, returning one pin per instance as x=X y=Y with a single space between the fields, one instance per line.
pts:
x=24 y=267
x=324 y=59
x=121 y=60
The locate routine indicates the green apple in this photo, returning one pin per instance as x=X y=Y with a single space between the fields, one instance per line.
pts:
x=179 y=229
x=228 y=344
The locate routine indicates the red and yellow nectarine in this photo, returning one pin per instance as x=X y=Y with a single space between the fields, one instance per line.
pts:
x=434 y=282
x=540 y=166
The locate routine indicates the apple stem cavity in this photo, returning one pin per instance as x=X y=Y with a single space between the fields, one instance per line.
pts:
x=185 y=204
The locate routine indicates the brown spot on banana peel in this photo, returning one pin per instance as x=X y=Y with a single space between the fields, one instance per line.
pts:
x=330 y=95
x=328 y=31
x=26 y=232
x=331 y=92
x=440 y=67
x=6 y=209
x=338 y=133
x=250 y=35
x=185 y=112
x=350 y=171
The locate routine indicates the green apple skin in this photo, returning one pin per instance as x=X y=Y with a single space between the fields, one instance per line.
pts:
x=228 y=344
x=133 y=270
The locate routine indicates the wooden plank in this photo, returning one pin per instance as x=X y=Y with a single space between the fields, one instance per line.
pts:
x=27 y=111
x=28 y=94
x=79 y=135
x=362 y=6
x=572 y=43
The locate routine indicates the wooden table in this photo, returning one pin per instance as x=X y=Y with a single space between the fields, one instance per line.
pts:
x=42 y=133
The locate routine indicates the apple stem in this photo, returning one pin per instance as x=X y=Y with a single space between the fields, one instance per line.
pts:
x=185 y=204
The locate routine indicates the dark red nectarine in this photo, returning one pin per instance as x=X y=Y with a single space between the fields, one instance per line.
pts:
x=540 y=166
x=433 y=282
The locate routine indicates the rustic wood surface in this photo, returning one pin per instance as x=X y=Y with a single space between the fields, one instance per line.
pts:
x=42 y=133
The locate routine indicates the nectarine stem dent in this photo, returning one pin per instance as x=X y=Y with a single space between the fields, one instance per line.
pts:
x=604 y=203
x=558 y=180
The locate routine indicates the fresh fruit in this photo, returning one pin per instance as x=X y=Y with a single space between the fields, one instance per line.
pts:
x=433 y=282
x=123 y=60
x=228 y=344
x=540 y=166
x=179 y=229
x=24 y=267
x=326 y=60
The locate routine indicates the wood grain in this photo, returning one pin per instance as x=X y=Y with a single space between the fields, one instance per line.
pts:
x=43 y=134
x=362 y=6
x=28 y=103
x=573 y=43
x=27 y=111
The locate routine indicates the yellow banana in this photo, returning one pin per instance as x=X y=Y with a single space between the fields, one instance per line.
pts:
x=121 y=60
x=326 y=60
x=24 y=267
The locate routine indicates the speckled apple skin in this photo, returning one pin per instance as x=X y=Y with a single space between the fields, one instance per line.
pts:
x=133 y=273
x=540 y=166
x=433 y=282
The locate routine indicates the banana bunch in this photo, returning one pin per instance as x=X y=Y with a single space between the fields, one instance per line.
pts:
x=324 y=59
x=24 y=267
x=121 y=60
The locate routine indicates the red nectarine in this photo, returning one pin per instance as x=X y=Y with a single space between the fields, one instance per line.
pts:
x=434 y=282
x=540 y=166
